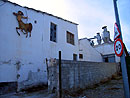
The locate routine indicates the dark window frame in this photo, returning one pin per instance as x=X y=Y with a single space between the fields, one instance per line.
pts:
x=74 y=57
x=70 y=38
x=53 y=32
x=80 y=56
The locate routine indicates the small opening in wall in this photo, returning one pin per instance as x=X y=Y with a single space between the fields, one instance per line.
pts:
x=106 y=59
x=35 y=21
x=81 y=56
x=75 y=57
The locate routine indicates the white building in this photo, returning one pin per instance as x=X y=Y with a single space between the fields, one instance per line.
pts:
x=98 y=53
x=23 y=59
x=107 y=48
x=107 y=51
x=87 y=52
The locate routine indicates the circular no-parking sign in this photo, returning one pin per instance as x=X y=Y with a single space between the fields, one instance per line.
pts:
x=118 y=47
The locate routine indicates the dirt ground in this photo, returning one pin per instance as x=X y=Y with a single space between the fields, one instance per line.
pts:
x=110 y=89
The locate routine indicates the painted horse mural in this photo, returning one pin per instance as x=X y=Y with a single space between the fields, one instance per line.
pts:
x=27 y=27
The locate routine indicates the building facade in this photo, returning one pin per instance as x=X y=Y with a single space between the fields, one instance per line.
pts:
x=87 y=52
x=107 y=51
x=24 y=60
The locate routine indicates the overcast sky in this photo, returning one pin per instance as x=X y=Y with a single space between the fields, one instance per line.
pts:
x=91 y=15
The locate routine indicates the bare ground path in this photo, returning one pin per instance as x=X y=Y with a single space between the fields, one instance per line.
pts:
x=111 y=89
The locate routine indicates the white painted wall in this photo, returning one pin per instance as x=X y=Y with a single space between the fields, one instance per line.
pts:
x=52 y=48
x=31 y=52
x=89 y=53
x=107 y=48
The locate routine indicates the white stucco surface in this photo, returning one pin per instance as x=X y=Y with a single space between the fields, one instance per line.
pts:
x=28 y=56
x=89 y=53
x=106 y=49
x=24 y=60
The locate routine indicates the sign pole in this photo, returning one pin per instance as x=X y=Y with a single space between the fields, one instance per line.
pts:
x=123 y=62
x=60 y=80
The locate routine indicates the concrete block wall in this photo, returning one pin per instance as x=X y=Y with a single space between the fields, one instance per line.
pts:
x=79 y=75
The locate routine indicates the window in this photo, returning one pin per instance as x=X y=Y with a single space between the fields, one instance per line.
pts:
x=106 y=59
x=75 y=57
x=109 y=58
x=53 y=28
x=81 y=56
x=70 y=38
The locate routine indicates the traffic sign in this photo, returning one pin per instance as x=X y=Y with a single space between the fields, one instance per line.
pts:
x=117 y=32
x=118 y=47
x=122 y=58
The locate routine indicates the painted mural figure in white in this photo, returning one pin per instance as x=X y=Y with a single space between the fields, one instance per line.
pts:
x=26 y=27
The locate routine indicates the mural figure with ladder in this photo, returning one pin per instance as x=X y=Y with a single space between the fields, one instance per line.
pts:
x=27 y=27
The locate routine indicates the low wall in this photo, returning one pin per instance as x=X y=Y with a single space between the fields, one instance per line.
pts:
x=78 y=74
